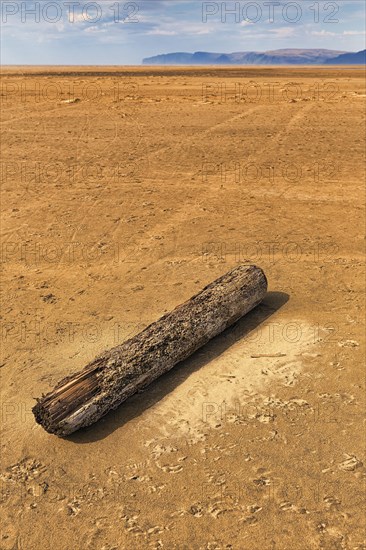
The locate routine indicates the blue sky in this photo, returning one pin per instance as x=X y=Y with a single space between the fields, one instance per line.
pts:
x=112 y=32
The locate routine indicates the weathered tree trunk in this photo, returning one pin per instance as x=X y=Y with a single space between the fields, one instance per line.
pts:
x=81 y=399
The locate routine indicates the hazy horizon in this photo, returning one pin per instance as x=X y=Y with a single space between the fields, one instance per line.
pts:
x=123 y=34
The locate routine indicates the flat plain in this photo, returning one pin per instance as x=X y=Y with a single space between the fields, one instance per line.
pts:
x=124 y=192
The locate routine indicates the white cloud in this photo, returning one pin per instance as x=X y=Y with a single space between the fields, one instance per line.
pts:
x=323 y=33
x=354 y=33
x=76 y=17
x=170 y=27
x=283 y=32
x=161 y=32
x=344 y=33
x=94 y=29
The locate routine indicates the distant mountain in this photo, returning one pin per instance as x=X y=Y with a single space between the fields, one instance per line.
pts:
x=358 y=58
x=272 y=57
x=179 y=58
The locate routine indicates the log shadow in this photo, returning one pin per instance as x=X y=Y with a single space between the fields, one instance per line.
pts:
x=138 y=403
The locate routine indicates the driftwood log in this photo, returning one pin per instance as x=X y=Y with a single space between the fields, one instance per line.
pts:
x=83 y=398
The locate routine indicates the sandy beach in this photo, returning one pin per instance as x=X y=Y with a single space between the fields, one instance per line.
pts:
x=125 y=191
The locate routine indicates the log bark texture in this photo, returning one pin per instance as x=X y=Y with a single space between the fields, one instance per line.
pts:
x=83 y=398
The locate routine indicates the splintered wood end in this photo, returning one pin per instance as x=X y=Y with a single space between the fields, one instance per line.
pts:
x=70 y=395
